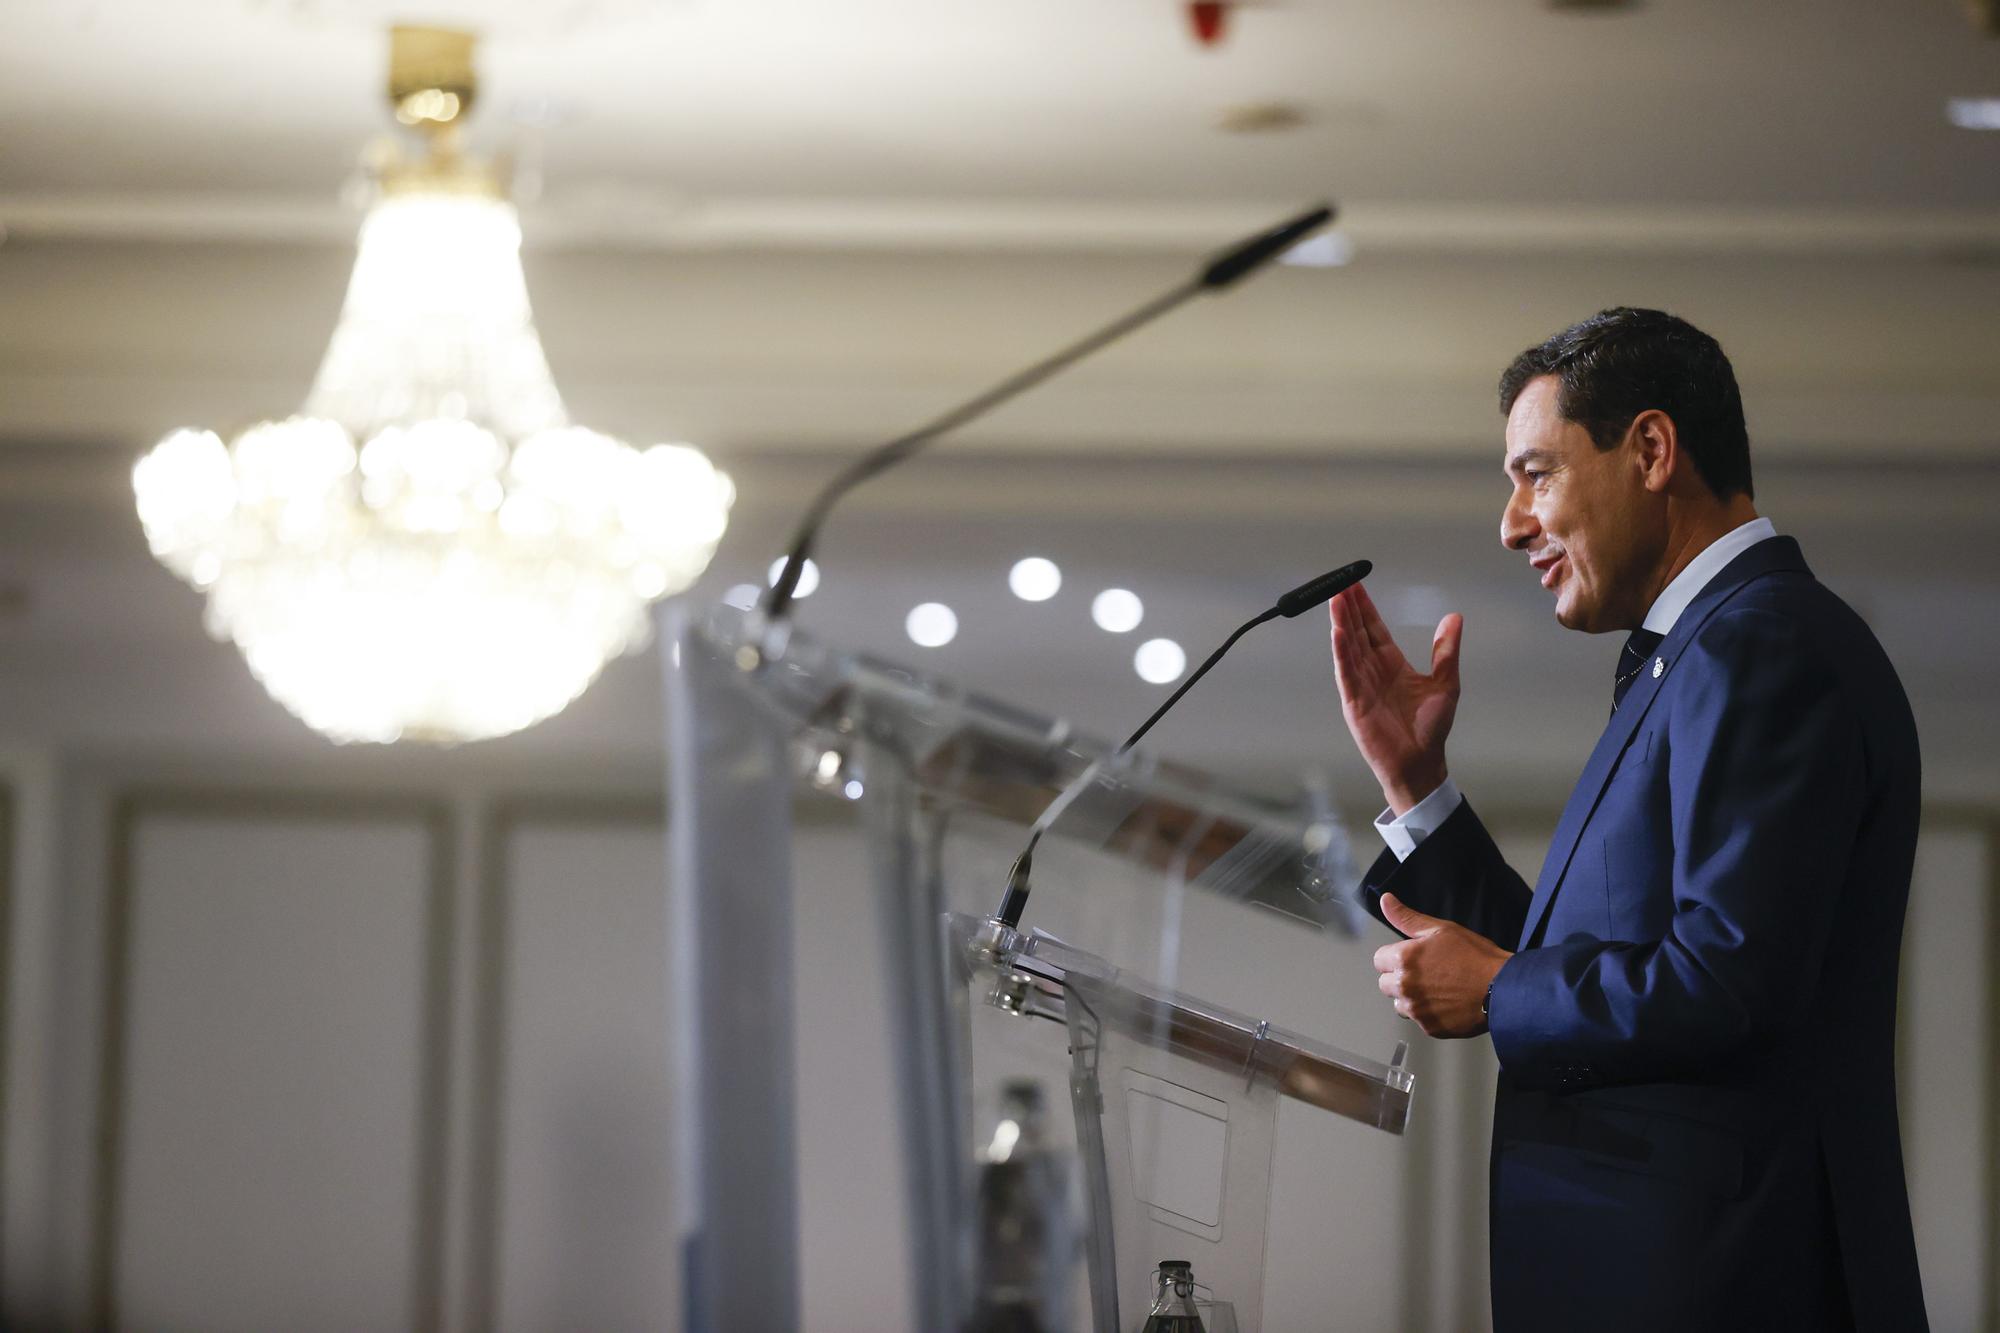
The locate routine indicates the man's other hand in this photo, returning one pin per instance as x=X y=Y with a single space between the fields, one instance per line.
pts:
x=1398 y=716
x=1439 y=976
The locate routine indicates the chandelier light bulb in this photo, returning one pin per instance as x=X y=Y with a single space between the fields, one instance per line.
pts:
x=431 y=549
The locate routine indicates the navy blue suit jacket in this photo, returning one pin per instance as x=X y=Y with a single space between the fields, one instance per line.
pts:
x=1695 y=1126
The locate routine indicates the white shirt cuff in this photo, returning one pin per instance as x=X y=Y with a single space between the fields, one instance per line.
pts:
x=1404 y=832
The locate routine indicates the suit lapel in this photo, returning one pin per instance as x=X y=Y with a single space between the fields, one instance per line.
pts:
x=1777 y=553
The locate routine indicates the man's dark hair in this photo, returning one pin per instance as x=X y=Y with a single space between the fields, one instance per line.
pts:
x=1624 y=361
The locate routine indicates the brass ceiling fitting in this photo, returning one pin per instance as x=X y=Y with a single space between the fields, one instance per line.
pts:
x=431 y=79
x=432 y=85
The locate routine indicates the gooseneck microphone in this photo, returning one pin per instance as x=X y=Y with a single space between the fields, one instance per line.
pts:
x=1298 y=601
x=1219 y=273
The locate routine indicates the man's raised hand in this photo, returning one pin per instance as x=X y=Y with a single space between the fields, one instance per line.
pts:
x=1398 y=716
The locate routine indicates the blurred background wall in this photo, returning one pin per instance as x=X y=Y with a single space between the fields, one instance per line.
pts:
x=304 y=1035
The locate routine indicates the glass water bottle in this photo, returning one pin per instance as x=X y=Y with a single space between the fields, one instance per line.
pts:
x=1173 y=1300
x=1027 y=1232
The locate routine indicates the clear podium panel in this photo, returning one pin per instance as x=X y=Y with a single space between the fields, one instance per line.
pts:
x=1175 y=1102
x=729 y=912
x=1185 y=1148
x=1069 y=1111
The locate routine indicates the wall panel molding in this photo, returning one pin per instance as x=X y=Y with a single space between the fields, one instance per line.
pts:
x=1986 y=823
x=130 y=808
x=501 y=820
x=8 y=973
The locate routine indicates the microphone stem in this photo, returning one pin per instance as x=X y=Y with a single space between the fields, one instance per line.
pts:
x=1188 y=684
x=1015 y=899
x=895 y=451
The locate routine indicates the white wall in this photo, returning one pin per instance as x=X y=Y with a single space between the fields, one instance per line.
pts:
x=1946 y=1071
x=270 y=1132
x=27 y=900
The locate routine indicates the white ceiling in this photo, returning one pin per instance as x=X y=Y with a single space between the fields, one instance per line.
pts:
x=1047 y=108
x=783 y=230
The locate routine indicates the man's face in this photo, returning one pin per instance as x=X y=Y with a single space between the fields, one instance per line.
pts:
x=1582 y=515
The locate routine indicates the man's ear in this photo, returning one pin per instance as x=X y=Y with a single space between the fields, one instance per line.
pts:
x=1659 y=448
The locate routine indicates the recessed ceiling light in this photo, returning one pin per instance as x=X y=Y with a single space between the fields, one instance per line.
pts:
x=1974 y=113
x=1159 y=661
x=931 y=625
x=1329 y=249
x=1117 y=610
x=1034 y=579
x=808 y=577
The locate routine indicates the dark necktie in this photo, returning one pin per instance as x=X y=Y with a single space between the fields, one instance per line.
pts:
x=1632 y=660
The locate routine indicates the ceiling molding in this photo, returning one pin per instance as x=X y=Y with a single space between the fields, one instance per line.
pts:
x=609 y=215
x=984 y=485
x=1430 y=417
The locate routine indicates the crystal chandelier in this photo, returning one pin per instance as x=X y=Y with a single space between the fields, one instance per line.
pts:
x=430 y=550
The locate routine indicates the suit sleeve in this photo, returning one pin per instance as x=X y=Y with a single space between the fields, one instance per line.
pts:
x=1458 y=874
x=1768 y=790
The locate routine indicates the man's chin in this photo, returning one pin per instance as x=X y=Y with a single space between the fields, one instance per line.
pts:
x=1571 y=616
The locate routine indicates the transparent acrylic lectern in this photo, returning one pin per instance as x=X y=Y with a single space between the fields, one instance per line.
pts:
x=1144 y=888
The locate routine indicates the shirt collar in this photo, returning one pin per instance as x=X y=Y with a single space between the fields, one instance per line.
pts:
x=1712 y=560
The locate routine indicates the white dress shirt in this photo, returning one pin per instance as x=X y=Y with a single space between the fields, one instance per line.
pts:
x=1404 y=832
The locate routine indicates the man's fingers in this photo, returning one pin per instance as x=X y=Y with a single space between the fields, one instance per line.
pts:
x=1403 y=1007
x=1371 y=619
x=1389 y=958
x=1355 y=669
x=1347 y=619
x=1344 y=655
x=1444 y=648
x=1356 y=619
x=1349 y=670
x=1390 y=984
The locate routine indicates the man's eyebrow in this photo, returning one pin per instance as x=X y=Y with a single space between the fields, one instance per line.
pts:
x=1527 y=458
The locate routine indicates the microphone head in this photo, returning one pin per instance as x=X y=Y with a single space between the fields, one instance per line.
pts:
x=1323 y=589
x=1248 y=256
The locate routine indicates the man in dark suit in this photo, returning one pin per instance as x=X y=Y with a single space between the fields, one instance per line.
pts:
x=1694 y=1007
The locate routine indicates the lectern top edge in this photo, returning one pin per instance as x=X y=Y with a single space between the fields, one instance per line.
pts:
x=1010 y=763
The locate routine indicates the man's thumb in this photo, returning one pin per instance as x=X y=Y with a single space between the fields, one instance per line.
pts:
x=1407 y=919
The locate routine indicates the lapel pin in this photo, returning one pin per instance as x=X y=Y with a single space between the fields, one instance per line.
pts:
x=1659 y=667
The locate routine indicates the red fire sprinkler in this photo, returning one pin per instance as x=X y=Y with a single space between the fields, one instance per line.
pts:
x=1208 y=18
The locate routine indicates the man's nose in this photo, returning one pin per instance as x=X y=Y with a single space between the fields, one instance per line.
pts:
x=1517 y=525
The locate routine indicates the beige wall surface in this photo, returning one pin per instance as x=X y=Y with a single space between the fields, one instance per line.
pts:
x=266 y=1116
